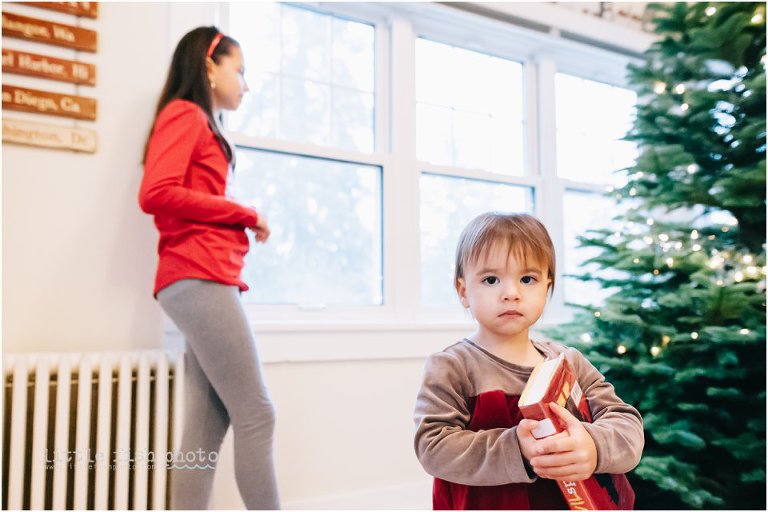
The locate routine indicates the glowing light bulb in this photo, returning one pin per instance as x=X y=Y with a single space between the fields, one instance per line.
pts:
x=663 y=237
x=684 y=107
x=597 y=314
x=649 y=222
x=656 y=272
x=694 y=335
x=747 y=259
x=738 y=277
x=636 y=260
x=633 y=191
x=696 y=247
x=680 y=88
x=655 y=351
x=752 y=271
x=586 y=338
x=648 y=240
x=716 y=262
x=719 y=282
x=744 y=331
x=692 y=168
x=710 y=11
x=659 y=87
x=669 y=262
x=694 y=235
x=665 y=340
x=621 y=349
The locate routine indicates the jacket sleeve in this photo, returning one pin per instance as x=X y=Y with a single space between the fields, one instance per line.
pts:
x=171 y=148
x=444 y=446
x=617 y=427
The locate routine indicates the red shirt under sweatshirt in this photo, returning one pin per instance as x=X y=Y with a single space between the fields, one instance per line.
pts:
x=202 y=232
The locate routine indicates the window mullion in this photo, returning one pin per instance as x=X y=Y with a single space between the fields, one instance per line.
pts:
x=401 y=178
x=549 y=196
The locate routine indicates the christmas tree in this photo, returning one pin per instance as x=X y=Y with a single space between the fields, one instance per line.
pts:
x=683 y=336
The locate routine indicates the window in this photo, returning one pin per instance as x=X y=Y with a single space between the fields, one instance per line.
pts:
x=304 y=135
x=591 y=119
x=325 y=217
x=583 y=211
x=311 y=76
x=469 y=109
x=470 y=123
x=374 y=132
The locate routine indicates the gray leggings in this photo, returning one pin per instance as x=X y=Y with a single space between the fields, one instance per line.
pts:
x=223 y=384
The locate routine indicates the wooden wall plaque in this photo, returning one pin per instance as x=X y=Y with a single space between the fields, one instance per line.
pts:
x=84 y=9
x=52 y=103
x=43 y=31
x=48 y=136
x=52 y=68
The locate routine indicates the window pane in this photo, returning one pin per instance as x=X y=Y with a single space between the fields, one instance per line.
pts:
x=591 y=117
x=306 y=44
x=306 y=111
x=469 y=109
x=311 y=76
x=351 y=119
x=447 y=205
x=584 y=211
x=325 y=218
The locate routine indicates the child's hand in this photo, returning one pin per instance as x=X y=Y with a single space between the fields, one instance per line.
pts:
x=526 y=440
x=569 y=455
x=261 y=229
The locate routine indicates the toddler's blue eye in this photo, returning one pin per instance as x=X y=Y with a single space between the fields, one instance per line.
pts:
x=491 y=280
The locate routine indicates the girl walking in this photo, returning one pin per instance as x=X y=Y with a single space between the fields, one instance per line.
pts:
x=203 y=241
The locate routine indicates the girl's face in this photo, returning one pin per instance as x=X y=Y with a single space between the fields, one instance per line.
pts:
x=227 y=80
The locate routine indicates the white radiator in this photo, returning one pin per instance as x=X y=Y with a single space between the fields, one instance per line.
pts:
x=90 y=430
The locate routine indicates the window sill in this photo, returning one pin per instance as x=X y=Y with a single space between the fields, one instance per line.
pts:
x=293 y=342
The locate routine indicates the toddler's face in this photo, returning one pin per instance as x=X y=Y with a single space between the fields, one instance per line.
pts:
x=505 y=295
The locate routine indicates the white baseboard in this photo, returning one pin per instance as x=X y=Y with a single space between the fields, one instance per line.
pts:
x=411 y=496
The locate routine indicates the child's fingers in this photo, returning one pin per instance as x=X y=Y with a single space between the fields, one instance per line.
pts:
x=526 y=426
x=554 y=460
x=568 y=420
x=561 y=442
x=571 y=472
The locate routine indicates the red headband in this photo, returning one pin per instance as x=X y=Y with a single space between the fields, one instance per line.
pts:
x=214 y=44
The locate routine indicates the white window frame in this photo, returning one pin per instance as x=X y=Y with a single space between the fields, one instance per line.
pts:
x=397 y=25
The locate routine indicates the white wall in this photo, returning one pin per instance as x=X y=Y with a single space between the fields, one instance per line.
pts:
x=78 y=254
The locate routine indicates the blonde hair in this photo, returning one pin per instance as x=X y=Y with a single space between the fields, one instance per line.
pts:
x=523 y=235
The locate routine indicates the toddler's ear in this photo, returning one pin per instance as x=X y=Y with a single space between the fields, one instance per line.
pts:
x=462 y=291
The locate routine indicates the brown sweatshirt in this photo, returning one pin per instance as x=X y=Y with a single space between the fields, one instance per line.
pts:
x=466 y=419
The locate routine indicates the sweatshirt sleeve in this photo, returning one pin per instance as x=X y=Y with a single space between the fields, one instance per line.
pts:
x=445 y=448
x=617 y=427
x=171 y=147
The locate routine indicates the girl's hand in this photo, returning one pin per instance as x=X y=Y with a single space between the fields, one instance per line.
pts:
x=261 y=229
x=569 y=455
